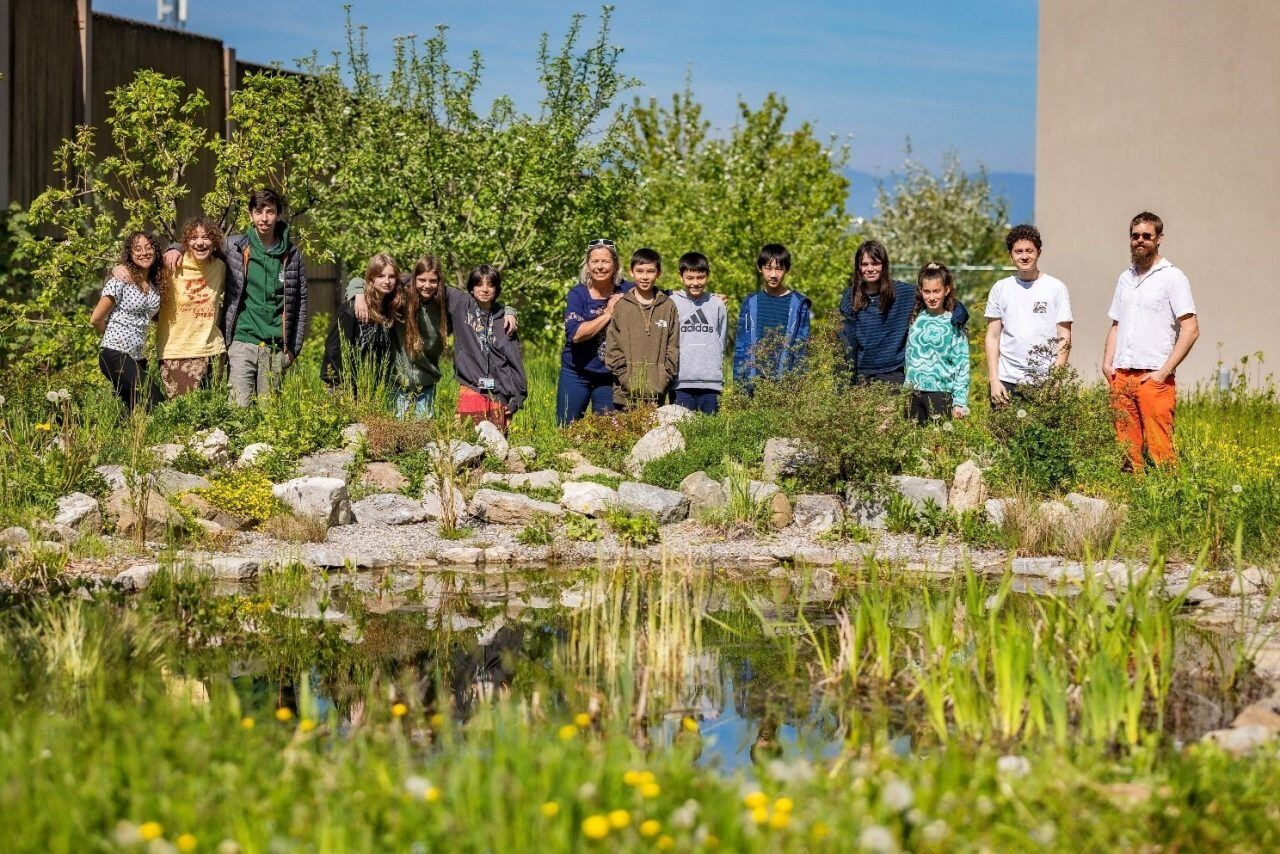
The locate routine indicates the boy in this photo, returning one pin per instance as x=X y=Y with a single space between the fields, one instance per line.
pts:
x=703 y=333
x=775 y=317
x=642 y=346
x=1029 y=320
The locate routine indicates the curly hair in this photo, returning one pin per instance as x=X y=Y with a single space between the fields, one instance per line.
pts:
x=150 y=277
x=211 y=230
x=1023 y=232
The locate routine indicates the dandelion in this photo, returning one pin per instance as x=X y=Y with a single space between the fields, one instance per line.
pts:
x=44 y=426
x=247 y=723
x=567 y=732
x=689 y=724
x=686 y=815
x=1237 y=488
x=1045 y=834
x=550 y=809
x=646 y=777
x=619 y=819
x=59 y=396
x=595 y=827
x=436 y=720
x=582 y=720
x=934 y=832
x=877 y=838
x=631 y=778
x=947 y=427
x=897 y=796
x=819 y=830
x=755 y=799
x=186 y=842
x=228 y=846
x=586 y=791
x=417 y=787
x=760 y=814
x=1013 y=766
x=306 y=725
x=650 y=790
x=399 y=710
x=150 y=830
x=431 y=795
x=783 y=805
x=284 y=713
x=126 y=833
x=665 y=843
x=650 y=827
x=1021 y=413
x=779 y=821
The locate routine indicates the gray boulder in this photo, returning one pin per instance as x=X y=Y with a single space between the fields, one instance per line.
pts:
x=784 y=458
x=587 y=498
x=704 y=494
x=968 y=489
x=152 y=513
x=331 y=464
x=995 y=508
x=817 y=513
x=321 y=499
x=433 y=507
x=546 y=479
x=113 y=475
x=780 y=513
x=463 y=454
x=671 y=414
x=509 y=508
x=166 y=453
x=664 y=505
x=657 y=443
x=383 y=476
x=251 y=453
x=492 y=440
x=172 y=482
x=462 y=556
x=760 y=492
x=919 y=490
x=79 y=511
x=388 y=508
x=1091 y=510
x=213 y=445
x=867 y=511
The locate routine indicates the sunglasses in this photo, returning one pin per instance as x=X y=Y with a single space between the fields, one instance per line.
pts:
x=1136 y=236
x=600 y=241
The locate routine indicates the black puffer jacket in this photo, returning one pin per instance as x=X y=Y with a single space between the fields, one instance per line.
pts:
x=294 y=278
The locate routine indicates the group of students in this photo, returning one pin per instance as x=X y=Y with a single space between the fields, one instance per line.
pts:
x=627 y=342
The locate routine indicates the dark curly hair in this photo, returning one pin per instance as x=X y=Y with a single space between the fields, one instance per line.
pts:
x=211 y=229
x=150 y=277
x=1022 y=232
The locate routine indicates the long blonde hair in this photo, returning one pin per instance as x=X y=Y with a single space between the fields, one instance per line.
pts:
x=584 y=271
x=379 y=309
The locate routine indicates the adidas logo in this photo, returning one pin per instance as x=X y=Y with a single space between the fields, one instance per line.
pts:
x=697 y=322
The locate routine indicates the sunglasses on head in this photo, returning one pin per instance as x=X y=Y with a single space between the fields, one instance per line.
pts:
x=600 y=241
x=1137 y=235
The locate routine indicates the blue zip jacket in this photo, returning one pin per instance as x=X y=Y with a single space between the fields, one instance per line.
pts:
x=876 y=343
x=746 y=368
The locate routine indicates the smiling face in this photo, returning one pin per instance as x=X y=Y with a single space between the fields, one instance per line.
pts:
x=1144 y=243
x=264 y=221
x=142 y=252
x=934 y=294
x=484 y=292
x=870 y=269
x=644 y=275
x=695 y=282
x=427 y=284
x=1025 y=257
x=600 y=266
x=384 y=281
x=201 y=244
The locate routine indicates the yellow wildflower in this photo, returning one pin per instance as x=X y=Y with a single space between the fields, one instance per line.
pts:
x=755 y=800
x=631 y=778
x=306 y=725
x=550 y=809
x=689 y=724
x=567 y=732
x=247 y=723
x=150 y=830
x=779 y=820
x=820 y=830
x=650 y=827
x=436 y=720
x=185 y=842
x=431 y=795
x=619 y=819
x=284 y=713
x=595 y=827
x=399 y=710
x=665 y=843
x=760 y=815
x=582 y=720
x=650 y=790
x=44 y=426
x=646 y=777
x=783 y=804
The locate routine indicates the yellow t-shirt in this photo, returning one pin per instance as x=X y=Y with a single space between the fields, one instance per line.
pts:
x=190 y=306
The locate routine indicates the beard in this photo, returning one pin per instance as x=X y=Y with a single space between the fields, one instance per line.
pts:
x=1142 y=255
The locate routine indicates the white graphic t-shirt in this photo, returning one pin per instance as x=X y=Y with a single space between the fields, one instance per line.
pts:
x=1029 y=314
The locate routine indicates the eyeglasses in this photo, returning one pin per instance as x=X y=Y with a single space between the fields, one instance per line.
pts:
x=600 y=241
x=1135 y=236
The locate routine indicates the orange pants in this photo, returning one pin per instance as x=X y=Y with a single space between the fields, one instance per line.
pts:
x=475 y=407
x=1144 y=416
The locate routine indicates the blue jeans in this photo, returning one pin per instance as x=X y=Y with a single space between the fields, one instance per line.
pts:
x=576 y=390
x=423 y=403
x=699 y=399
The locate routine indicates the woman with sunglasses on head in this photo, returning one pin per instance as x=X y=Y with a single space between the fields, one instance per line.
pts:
x=584 y=379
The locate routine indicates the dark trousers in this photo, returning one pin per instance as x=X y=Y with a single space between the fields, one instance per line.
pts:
x=576 y=391
x=890 y=377
x=698 y=399
x=926 y=405
x=128 y=376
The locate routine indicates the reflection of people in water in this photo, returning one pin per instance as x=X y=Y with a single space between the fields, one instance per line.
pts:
x=767 y=747
x=689 y=738
x=483 y=673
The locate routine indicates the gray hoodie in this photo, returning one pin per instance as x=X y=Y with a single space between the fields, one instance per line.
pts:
x=704 y=332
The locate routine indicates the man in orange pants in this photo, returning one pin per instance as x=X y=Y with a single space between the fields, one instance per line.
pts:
x=1153 y=325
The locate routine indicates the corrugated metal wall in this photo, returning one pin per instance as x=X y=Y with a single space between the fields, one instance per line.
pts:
x=43 y=83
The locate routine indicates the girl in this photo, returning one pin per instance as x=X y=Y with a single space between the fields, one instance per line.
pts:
x=877 y=312
x=363 y=351
x=584 y=379
x=122 y=316
x=188 y=337
x=937 y=359
x=486 y=361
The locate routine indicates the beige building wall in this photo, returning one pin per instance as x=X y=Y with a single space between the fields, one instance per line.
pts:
x=1174 y=107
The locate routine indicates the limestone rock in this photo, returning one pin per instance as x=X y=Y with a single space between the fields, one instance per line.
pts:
x=968 y=489
x=509 y=508
x=353 y=434
x=1263 y=713
x=1094 y=510
x=172 y=482
x=332 y=464
x=817 y=513
x=546 y=479
x=79 y=511
x=331 y=557
x=388 y=508
x=251 y=453
x=995 y=508
x=664 y=505
x=704 y=494
x=657 y=443
x=384 y=476
x=15 y=535
x=1036 y=566
x=671 y=414
x=462 y=556
x=491 y=438
x=760 y=492
x=780 y=514
x=113 y=475
x=1240 y=740
x=463 y=454
x=587 y=498
x=155 y=518
x=166 y=453
x=321 y=499
x=784 y=458
x=498 y=555
x=1251 y=580
x=137 y=577
x=432 y=505
x=919 y=490
x=213 y=445
x=867 y=511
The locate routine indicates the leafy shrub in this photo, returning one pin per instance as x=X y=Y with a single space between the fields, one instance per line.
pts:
x=541 y=531
x=632 y=529
x=581 y=529
x=302 y=416
x=738 y=433
x=243 y=492
x=607 y=438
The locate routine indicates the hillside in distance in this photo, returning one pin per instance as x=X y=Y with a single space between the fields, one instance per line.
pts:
x=1018 y=189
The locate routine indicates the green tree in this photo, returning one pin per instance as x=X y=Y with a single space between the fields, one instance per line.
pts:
x=422 y=169
x=726 y=197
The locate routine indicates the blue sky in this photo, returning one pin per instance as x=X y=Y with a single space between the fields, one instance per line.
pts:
x=952 y=76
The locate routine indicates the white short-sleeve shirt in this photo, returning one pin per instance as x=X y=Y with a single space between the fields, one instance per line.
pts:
x=1146 y=309
x=1029 y=314
x=128 y=321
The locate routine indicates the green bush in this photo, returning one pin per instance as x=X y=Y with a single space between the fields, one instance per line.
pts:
x=581 y=529
x=245 y=493
x=632 y=529
x=541 y=531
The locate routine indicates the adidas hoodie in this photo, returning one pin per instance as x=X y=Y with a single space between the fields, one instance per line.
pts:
x=704 y=326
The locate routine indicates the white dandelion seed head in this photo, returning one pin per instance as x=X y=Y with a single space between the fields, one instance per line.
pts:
x=1013 y=766
x=897 y=796
x=1022 y=413
x=877 y=838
